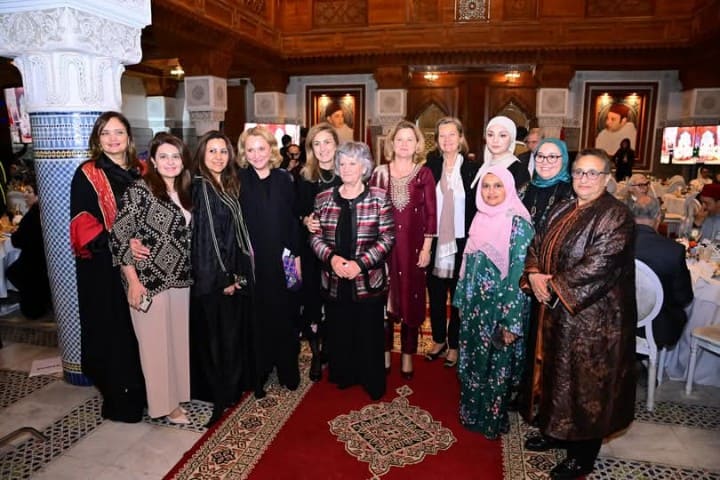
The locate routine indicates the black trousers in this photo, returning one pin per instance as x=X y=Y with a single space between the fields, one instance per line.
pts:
x=438 y=290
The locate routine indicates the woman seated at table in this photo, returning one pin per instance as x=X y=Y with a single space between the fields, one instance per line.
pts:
x=354 y=240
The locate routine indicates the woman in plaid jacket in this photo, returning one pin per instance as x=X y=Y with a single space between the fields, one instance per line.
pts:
x=355 y=237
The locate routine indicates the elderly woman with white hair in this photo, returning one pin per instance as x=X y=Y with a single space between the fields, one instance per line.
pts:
x=353 y=242
x=500 y=140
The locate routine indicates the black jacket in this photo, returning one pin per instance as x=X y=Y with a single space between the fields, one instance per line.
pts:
x=667 y=259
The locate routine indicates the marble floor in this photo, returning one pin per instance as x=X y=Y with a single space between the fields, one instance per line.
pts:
x=86 y=447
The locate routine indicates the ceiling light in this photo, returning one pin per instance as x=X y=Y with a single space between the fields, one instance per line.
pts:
x=177 y=71
x=431 y=76
x=512 y=75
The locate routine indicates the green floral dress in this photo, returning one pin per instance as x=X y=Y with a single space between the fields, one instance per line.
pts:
x=487 y=374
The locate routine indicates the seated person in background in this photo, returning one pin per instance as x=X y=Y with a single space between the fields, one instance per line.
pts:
x=29 y=273
x=637 y=186
x=532 y=139
x=708 y=218
x=667 y=259
x=705 y=175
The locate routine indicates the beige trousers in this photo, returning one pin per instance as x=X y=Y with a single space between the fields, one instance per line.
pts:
x=163 y=338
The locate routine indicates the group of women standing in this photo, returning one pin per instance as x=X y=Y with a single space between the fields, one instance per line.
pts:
x=203 y=251
x=135 y=239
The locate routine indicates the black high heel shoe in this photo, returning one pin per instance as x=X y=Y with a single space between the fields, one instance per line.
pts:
x=430 y=356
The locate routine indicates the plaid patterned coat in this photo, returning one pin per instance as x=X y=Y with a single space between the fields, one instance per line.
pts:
x=373 y=237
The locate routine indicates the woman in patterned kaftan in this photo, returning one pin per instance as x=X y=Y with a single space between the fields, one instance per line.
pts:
x=493 y=309
x=411 y=188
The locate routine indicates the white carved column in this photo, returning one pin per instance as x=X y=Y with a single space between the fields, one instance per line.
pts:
x=551 y=108
x=206 y=101
x=390 y=107
x=162 y=114
x=270 y=107
x=71 y=59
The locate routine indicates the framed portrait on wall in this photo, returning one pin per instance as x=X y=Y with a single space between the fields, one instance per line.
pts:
x=614 y=112
x=343 y=106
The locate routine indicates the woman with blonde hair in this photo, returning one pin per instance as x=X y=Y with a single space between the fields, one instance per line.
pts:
x=411 y=189
x=318 y=175
x=266 y=196
x=456 y=208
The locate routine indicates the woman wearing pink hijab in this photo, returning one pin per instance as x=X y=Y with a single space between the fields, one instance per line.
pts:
x=493 y=309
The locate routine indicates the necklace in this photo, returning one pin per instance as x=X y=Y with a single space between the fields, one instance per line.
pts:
x=551 y=201
x=324 y=179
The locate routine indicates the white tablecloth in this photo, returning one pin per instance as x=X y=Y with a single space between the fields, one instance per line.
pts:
x=704 y=310
x=8 y=254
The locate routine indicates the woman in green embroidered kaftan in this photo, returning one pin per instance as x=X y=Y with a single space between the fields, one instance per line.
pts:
x=493 y=309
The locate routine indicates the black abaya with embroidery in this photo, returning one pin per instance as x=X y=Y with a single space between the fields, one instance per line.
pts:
x=109 y=349
x=221 y=352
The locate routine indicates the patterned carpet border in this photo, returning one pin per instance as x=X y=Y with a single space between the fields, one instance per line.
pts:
x=252 y=425
x=16 y=385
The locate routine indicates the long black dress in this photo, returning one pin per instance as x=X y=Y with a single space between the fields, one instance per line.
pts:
x=310 y=321
x=221 y=354
x=267 y=205
x=109 y=354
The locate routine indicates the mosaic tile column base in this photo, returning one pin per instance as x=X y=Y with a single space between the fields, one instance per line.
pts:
x=61 y=140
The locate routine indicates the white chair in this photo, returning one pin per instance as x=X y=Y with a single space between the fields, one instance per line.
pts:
x=649 y=295
x=707 y=338
x=681 y=224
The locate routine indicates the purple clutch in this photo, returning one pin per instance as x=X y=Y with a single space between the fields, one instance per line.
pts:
x=292 y=277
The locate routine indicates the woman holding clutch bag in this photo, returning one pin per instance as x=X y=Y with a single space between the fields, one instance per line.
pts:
x=493 y=309
x=267 y=196
x=221 y=310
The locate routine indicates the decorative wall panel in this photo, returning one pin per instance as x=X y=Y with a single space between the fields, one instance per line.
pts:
x=334 y=13
x=604 y=8
x=470 y=10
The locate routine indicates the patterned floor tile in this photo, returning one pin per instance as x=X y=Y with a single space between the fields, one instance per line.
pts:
x=17 y=385
x=31 y=455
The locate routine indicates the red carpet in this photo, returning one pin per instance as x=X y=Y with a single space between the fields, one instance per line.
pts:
x=306 y=449
x=287 y=435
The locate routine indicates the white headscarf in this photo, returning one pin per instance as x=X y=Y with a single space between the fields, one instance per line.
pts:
x=505 y=159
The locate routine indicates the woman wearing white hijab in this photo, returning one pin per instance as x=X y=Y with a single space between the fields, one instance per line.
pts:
x=500 y=136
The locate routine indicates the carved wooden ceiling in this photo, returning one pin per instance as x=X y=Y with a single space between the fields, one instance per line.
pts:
x=245 y=38
x=269 y=40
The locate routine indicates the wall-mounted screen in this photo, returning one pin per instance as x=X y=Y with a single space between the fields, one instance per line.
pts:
x=668 y=144
x=684 y=145
x=706 y=144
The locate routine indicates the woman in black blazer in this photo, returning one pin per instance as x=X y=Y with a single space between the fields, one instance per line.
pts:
x=453 y=175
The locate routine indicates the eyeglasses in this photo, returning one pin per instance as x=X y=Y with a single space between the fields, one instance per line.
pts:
x=551 y=159
x=646 y=184
x=590 y=174
x=293 y=155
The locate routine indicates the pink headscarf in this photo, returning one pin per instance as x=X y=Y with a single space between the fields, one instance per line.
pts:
x=490 y=229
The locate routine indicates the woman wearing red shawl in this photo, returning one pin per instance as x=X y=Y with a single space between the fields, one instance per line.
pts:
x=493 y=309
x=109 y=354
